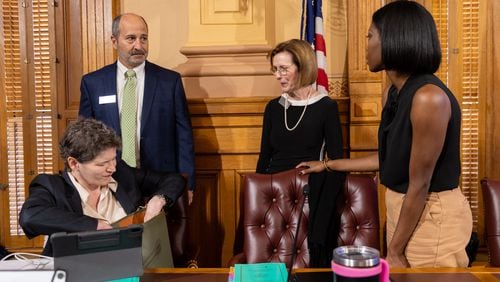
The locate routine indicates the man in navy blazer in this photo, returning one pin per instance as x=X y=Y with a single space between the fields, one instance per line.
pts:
x=165 y=142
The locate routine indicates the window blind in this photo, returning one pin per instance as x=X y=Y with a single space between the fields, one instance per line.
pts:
x=27 y=90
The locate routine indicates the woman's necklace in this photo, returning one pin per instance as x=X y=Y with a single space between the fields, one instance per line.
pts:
x=303 y=111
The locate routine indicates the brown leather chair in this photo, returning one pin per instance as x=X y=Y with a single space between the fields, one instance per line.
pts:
x=359 y=223
x=491 y=200
x=271 y=206
x=184 y=253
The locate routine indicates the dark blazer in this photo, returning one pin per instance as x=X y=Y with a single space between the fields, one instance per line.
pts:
x=166 y=142
x=54 y=204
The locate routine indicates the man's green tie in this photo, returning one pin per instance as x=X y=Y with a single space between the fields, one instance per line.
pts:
x=128 y=119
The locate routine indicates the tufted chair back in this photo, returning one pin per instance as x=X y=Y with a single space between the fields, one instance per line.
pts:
x=491 y=199
x=271 y=205
x=359 y=223
x=270 y=212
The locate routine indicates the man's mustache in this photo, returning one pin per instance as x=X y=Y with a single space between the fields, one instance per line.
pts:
x=137 y=53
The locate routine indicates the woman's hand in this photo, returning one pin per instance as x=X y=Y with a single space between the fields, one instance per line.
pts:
x=312 y=166
x=102 y=225
x=154 y=207
x=397 y=260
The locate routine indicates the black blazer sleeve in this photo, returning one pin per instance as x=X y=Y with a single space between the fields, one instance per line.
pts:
x=147 y=184
x=53 y=206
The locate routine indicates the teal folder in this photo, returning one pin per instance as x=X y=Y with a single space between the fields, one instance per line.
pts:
x=260 y=272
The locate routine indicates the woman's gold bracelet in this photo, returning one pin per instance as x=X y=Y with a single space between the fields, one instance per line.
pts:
x=326 y=165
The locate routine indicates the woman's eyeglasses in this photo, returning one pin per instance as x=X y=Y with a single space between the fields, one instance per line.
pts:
x=282 y=70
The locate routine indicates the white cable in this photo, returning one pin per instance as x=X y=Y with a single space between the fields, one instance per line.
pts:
x=38 y=261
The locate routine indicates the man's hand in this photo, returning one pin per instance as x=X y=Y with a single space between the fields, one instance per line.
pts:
x=154 y=207
x=190 y=196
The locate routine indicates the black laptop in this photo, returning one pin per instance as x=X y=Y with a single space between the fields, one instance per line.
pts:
x=99 y=255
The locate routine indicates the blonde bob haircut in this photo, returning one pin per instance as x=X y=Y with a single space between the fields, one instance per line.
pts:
x=302 y=56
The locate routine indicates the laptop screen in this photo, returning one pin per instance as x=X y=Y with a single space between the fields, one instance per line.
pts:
x=99 y=255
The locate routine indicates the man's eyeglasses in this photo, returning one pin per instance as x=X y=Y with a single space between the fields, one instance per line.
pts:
x=282 y=70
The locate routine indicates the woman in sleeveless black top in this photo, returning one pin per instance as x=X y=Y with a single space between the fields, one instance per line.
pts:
x=429 y=221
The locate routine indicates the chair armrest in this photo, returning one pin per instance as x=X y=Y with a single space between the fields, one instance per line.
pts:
x=238 y=258
x=184 y=251
x=491 y=200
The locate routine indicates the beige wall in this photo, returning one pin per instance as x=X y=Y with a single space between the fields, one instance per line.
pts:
x=223 y=35
x=168 y=28
x=229 y=22
x=287 y=18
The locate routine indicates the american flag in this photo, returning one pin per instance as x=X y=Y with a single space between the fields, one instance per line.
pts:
x=313 y=33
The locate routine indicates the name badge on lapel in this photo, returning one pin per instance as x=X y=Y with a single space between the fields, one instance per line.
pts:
x=109 y=99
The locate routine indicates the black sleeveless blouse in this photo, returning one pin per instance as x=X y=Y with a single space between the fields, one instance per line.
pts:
x=395 y=138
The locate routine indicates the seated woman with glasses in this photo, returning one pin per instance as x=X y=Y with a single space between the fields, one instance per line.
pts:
x=303 y=125
x=94 y=190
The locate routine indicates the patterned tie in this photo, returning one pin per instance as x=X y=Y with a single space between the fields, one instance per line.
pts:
x=128 y=120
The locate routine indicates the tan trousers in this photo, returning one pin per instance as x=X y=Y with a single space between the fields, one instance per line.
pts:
x=442 y=233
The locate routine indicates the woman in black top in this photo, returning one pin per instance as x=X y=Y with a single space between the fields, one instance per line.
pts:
x=303 y=125
x=429 y=221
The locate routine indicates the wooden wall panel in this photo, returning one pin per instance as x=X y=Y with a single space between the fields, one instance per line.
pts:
x=358 y=21
x=489 y=87
x=205 y=226
x=490 y=72
x=227 y=140
x=365 y=109
x=83 y=32
x=363 y=137
x=365 y=87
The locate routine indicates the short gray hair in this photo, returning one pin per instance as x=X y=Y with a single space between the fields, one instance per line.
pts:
x=115 y=28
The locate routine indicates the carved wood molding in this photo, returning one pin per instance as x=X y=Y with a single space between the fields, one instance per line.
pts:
x=205 y=61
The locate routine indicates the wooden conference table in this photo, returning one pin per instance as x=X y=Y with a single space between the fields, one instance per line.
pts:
x=475 y=273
